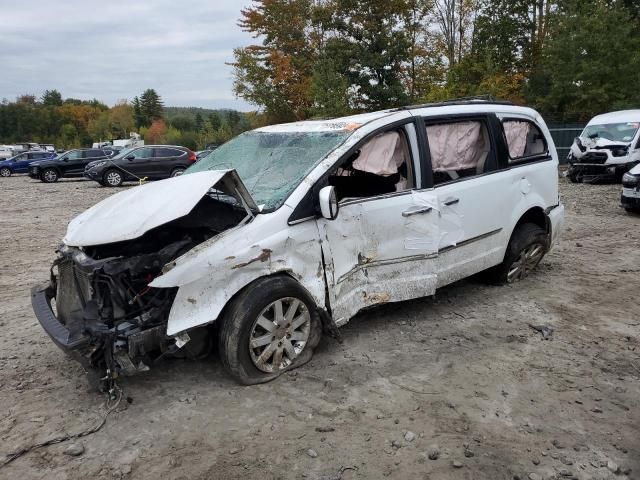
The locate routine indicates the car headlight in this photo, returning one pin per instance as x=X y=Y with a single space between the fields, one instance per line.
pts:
x=620 y=152
x=96 y=165
x=629 y=179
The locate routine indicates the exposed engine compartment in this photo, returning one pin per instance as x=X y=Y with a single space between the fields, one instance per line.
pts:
x=102 y=293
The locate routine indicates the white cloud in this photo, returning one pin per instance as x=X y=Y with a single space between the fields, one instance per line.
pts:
x=116 y=49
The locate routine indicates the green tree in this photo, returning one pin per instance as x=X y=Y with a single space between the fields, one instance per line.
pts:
x=214 y=121
x=589 y=62
x=199 y=122
x=150 y=107
x=276 y=75
x=183 y=123
x=51 y=98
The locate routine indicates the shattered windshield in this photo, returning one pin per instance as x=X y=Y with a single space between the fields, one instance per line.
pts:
x=272 y=164
x=615 y=132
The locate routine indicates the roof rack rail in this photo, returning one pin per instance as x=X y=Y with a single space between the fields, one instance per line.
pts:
x=460 y=101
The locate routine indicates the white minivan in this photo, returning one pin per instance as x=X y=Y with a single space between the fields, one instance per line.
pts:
x=288 y=231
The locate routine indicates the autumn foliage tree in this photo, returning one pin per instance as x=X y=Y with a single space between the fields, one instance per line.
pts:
x=334 y=57
x=156 y=133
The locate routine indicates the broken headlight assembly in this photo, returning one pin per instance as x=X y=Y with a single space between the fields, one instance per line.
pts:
x=630 y=180
x=620 y=152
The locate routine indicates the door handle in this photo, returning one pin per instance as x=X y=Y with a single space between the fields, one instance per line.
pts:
x=417 y=211
x=451 y=201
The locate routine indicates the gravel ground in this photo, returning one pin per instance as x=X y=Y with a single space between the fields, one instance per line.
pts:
x=452 y=387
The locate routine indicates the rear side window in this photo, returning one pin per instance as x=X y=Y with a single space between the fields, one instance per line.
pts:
x=168 y=152
x=524 y=139
x=95 y=154
x=458 y=149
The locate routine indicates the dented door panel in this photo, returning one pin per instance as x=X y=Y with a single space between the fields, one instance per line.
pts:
x=209 y=275
x=375 y=254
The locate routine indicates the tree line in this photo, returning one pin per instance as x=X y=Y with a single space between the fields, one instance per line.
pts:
x=71 y=123
x=570 y=59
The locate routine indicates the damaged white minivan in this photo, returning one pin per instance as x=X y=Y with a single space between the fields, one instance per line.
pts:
x=288 y=231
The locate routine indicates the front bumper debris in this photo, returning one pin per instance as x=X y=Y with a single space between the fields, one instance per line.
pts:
x=630 y=198
x=590 y=172
x=41 y=297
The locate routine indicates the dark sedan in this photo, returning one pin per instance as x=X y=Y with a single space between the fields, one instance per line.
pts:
x=151 y=162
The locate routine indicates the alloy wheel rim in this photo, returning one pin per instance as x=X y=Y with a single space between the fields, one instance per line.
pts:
x=113 y=178
x=177 y=173
x=5 y=172
x=279 y=334
x=525 y=263
x=50 y=175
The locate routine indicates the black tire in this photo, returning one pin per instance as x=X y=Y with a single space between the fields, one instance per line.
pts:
x=240 y=320
x=5 y=172
x=574 y=177
x=112 y=178
x=177 y=172
x=522 y=249
x=49 y=175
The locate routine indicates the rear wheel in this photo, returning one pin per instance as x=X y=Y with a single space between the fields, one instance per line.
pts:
x=526 y=248
x=5 y=172
x=49 y=175
x=269 y=328
x=112 y=178
x=177 y=172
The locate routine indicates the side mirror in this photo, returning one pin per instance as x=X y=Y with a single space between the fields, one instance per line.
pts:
x=131 y=157
x=65 y=159
x=328 y=202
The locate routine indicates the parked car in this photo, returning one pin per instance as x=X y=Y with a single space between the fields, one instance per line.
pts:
x=201 y=154
x=20 y=163
x=67 y=165
x=5 y=152
x=630 y=199
x=608 y=147
x=289 y=230
x=49 y=147
x=152 y=162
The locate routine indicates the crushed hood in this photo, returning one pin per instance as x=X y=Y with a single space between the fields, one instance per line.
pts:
x=594 y=144
x=131 y=213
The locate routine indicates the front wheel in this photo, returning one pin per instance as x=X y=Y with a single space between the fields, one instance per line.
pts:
x=113 y=178
x=269 y=328
x=574 y=176
x=526 y=248
x=5 y=172
x=49 y=175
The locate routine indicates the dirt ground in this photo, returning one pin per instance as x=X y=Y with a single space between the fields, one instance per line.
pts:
x=461 y=376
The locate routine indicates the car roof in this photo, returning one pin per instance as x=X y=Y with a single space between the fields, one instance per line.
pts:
x=327 y=125
x=451 y=107
x=616 y=117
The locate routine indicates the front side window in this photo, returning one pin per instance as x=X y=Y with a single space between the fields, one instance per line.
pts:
x=458 y=149
x=73 y=155
x=272 y=164
x=137 y=154
x=381 y=165
x=524 y=139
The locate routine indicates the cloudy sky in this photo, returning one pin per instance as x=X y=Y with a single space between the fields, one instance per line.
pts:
x=115 y=49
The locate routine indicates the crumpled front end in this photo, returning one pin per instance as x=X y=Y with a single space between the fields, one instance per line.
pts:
x=102 y=311
x=99 y=305
x=600 y=160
